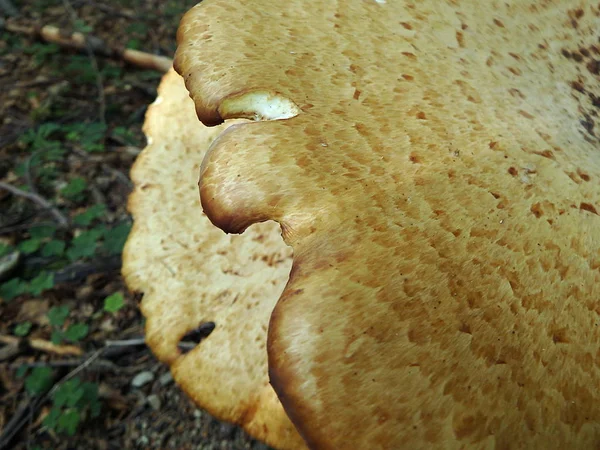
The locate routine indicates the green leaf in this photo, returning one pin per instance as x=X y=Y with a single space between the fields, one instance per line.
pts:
x=85 y=218
x=30 y=246
x=84 y=245
x=89 y=136
x=53 y=248
x=115 y=239
x=57 y=315
x=42 y=231
x=114 y=302
x=21 y=371
x=80 y=26
x=22 y=329
x=134 y=44
x=68 y=393
x=51 y=420
x=5 y=249
x=74 y=189
x=41 y=283
x=124 y=134
x=77 y=332
x=57 y=337
x=12 y=288
x=39 y=381
x=90 y=398
x=68 y=421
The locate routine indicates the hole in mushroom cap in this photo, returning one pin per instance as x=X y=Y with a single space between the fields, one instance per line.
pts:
x=258 y=105
x=195 y=336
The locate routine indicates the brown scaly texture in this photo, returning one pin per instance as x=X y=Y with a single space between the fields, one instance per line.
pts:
x=191 y=272
x=440 y=188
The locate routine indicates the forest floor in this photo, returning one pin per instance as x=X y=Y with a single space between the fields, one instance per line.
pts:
x=74 y=371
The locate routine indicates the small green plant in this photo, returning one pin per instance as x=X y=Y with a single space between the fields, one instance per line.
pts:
x=89 y=136
x=75 y=332
x=114 y=302
x=39 y=381
x=86 y=218
x=16 y=286
x=72 y=402
x=22 y=329
x=75 y=189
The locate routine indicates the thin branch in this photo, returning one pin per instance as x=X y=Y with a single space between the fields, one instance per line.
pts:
x=126 y=343
x=62 y=221
x=42 y=345
x=77 y=41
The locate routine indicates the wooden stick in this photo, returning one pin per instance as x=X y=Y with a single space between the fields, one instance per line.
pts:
x=43 y=345
x=77 y=41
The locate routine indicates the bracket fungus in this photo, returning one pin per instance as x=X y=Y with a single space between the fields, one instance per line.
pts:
x=196 y=278
x=436 y=171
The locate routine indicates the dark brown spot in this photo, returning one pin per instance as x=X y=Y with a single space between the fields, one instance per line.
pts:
x=516 y=93
x=588 y=207
x=460 y=38
x=594 y=66
x=495 y=195
x=526 y=114
x=515 y=71
x=536 y=209
x=584 y=176
x=421 y=115
x=408 y=77
x=514 y=55
x=409 y=55
x=498 y=23
x=513 y=171
x=577 y=86
x=415 y=158
x=356 y=94
x=560 y=336
x=584 y=51
x=493 y=145
x=588 y=123
x=576 y=56
x=465 y=328
x=546 y=154
x=406 y=25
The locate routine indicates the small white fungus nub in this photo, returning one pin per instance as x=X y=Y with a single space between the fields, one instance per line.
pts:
x=258 y=106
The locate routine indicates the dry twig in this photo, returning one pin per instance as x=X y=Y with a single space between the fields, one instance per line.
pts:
x=62 y=221
x=43 y=345
x=77 y=41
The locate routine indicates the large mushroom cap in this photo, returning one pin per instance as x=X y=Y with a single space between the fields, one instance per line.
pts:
x=191 y=273
x=439 y=182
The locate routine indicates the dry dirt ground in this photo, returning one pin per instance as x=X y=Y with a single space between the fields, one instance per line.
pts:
x=70 y=128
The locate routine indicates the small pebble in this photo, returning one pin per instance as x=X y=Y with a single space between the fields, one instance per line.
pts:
x=154 y=402
x=165 y=379
x=142 y=378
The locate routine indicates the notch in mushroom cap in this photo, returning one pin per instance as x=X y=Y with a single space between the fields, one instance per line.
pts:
x=195 y=278
x=440 y=188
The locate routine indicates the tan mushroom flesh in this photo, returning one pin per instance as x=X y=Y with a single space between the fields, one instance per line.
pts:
x=191 y=273
x=437 y=174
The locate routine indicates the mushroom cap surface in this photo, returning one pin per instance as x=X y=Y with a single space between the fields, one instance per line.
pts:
x=191 y=273
x=438 y=181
